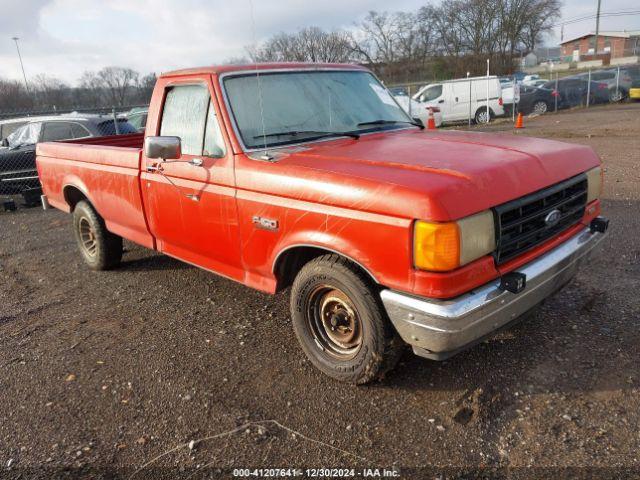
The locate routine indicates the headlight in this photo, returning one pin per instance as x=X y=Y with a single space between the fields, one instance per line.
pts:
x=445 y=246
x=594 y=184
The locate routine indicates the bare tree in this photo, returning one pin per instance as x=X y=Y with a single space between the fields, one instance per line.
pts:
x=13 y=96
x=50 y=92
x=541 y=15
x=118 y=82
x=111 y=84
x=310 y=44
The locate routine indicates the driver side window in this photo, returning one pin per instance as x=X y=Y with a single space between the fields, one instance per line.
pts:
x=189 y=114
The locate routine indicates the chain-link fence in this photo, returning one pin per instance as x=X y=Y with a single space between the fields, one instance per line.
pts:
x=21 y=131
x=522 y=93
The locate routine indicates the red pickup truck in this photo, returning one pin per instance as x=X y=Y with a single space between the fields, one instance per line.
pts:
x=313 y=177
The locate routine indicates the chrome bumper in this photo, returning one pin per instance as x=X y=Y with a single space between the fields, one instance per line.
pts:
x=438 y=329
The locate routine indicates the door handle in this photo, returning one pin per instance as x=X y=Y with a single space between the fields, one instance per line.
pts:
x=155 y=167
x=441 y=101
x=456 y=99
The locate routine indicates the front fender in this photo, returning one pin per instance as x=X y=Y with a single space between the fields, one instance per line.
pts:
x=328 y=241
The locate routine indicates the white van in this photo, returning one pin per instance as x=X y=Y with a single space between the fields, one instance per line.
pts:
x=452 y=97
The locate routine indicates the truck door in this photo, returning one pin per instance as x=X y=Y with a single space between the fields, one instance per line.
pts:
x=192 y=208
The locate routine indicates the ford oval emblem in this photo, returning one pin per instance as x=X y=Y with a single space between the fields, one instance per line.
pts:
x=552 y=218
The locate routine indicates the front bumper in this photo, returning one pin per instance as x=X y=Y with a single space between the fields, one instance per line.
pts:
x=438 y=329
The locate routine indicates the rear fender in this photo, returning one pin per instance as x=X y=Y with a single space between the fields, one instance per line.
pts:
x=73 y=181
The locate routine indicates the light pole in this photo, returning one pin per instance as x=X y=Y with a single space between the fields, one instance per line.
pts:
x=595 y=48
x=24 y=75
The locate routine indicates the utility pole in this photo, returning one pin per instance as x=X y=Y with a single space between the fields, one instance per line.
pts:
x=595 y=48
x=24 y=75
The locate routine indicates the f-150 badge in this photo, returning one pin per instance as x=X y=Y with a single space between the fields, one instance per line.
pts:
x=265 y=223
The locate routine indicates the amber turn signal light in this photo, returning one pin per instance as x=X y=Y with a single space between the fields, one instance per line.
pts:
x=436 y=246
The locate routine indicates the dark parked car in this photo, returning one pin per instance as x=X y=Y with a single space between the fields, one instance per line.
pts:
x=138 y=118
x=618 y=86
x=7 y=127
x=399 y=91
x=535 y=100
x=573 y=91
x=17 y=156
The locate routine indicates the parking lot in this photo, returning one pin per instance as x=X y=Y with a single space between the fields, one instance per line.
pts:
x=158 y=368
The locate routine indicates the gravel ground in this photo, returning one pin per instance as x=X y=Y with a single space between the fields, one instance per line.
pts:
x=102 y=373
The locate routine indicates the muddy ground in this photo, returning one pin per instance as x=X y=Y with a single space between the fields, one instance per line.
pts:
x=101 y=373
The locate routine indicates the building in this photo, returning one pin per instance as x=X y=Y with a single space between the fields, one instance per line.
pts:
x=617 y=44
x=530 y=60
x=547 y=53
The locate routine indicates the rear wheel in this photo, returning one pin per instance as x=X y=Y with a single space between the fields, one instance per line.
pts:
x=100 y=249
x=540 y=107
x=340 y=322
x=616 y=95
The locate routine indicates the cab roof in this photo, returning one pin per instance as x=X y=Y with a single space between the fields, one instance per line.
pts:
x=220 y=69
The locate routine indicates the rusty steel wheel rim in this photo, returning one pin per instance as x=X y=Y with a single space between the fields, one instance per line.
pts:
x=335 y=322
x=88 y=239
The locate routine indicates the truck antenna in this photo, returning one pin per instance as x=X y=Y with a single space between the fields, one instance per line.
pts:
x=266 y=155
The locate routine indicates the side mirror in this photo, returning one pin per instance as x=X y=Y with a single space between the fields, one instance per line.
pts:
x=164 y=148
x=5 y=142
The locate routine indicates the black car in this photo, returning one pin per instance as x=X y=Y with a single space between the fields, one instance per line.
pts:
x=18 y=173
x=7 y=127
x=573 y=92
x=138 y=118
x=535 y=100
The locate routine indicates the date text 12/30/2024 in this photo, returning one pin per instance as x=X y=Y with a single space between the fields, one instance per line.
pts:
x=316 y=472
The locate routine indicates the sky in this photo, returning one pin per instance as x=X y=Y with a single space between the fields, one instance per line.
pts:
x=63 y=38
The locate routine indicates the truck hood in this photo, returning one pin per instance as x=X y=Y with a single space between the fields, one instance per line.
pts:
x=442 y=175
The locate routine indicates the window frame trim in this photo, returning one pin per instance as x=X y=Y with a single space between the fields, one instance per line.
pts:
x=210 y=106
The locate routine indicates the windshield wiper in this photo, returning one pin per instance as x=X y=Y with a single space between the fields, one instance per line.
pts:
x=390 y=122
x=315 y=133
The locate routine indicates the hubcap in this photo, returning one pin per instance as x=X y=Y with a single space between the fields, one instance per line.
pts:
x=334 y=322
x=482 y=117
x=616 y=96
x=87 y=237
x=540 y=107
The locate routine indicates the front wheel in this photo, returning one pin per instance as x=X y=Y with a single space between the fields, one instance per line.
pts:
x=540 y=107
x=100 y=249
x=340 y=322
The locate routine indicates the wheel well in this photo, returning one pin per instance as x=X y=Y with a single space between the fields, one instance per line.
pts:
x=289 y=263
x=484 y=107
x=73 y=195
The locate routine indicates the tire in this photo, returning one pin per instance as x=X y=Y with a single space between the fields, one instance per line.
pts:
x=616 y=96
x=100 y=249
x=340 y=322
x=481 y=116
x=540 y=107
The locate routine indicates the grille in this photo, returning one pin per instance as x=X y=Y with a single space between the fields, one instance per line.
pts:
x=521 y=223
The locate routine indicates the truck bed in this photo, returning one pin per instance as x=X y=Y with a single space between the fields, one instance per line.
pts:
x=105 y=170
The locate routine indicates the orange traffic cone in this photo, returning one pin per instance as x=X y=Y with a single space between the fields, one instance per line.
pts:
x=519 y=121
x=431 y=122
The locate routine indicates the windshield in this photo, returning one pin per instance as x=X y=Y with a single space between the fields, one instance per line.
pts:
x=308 y=103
